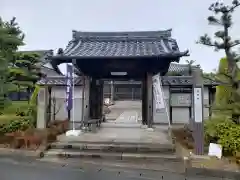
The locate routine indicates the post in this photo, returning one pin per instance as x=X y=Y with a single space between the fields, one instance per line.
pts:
x=144 y=107
x=198 y=129
x=42 y=108
x=149 y=99
x=83 y=101
x=112 y=92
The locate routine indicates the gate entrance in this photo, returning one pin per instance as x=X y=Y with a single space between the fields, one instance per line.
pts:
x=120 y=56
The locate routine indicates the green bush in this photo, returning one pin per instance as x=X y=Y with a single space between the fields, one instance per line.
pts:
x=223 y=131
x=230 y=140
x=21 y=124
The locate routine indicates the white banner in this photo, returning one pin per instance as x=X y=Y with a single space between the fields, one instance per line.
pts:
x=158 y=92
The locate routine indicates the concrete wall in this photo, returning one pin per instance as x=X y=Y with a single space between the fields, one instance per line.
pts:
x=60 y=94
x=178 y=114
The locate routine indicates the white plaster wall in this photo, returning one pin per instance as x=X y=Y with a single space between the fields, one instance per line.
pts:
x=162 y=115
x=180 y=115
x=60 y=93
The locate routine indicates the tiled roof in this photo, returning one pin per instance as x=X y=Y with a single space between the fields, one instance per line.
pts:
x=61 y=80
x=166 y=80
x=122 y=44
x=178 y=68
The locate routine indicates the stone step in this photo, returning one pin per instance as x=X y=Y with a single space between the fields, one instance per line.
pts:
x=120 y=125
x=115 y=147
x=90 y=154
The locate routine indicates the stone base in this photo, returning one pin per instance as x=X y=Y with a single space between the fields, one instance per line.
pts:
x=74 y=133
x=150 y=129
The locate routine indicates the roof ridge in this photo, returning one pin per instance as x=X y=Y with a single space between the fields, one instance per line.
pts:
x=118 y=34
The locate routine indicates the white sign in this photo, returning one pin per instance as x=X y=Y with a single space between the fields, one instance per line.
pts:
x=158 y=92
x=198 y=105
x=215 y=150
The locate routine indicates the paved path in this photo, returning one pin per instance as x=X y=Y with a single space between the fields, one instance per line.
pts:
x=122 y=134
x=21 y=170
x=128 y=117
x=121 y=107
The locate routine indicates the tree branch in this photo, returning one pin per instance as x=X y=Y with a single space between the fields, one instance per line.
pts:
x=234 y=44
x=207 y=44
x=231 y=9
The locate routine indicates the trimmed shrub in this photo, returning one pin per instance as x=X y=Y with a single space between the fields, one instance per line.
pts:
x=223 y=131
x=20 y=124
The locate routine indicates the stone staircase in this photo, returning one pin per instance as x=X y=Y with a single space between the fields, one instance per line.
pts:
x=113 y=151
x=122 y=140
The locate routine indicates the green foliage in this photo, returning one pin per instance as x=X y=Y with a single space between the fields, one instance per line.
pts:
x=26 y=71
x=223 y=131
x=33 y=100
x=18 y=70
x=20 y=124
x=11 y=37
x=228 y=96
x=32 y=109
x=16 y=106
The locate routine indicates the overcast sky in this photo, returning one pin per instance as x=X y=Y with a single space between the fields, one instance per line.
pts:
x=48 y=24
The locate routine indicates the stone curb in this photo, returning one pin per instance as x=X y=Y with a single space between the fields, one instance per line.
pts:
x=191 y=171
x=112 y=155
x=113 y=147
x=20 y=153
x=109 y=142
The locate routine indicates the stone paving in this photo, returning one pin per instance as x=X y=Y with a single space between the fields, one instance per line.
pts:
x=123 y=139
x=121 y=106
x=126 y=128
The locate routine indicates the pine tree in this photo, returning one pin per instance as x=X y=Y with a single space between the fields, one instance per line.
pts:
x=228 y=76
x=27 y=70
x=11 y=37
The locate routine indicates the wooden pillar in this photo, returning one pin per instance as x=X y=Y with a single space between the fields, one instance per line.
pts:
x=149 y=94
x=112 y=91
x=99 y=99
x=198 y=130
x=93 y=99
x=144 y=107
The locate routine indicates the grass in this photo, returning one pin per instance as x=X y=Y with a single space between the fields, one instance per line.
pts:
x=15 y=105
x=6 y=118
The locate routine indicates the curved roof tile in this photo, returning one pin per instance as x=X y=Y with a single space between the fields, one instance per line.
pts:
x=122 y=44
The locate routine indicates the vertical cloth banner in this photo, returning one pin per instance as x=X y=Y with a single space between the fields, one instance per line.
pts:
x=158 y=92
x=69 y=88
